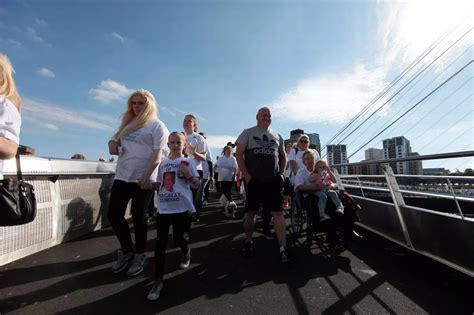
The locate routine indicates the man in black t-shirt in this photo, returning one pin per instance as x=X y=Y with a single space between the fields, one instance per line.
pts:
x=261 y=158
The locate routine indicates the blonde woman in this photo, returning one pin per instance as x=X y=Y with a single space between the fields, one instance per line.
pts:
x=10 y=107
x=139 y=143
x=295 y=157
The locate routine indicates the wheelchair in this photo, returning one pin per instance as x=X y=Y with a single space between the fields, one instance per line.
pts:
x=331 y=236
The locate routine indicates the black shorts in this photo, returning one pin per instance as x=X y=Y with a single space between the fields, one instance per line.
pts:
x=267 y=195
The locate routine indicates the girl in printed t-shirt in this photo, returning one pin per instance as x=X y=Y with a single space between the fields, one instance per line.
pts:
x=176 y=175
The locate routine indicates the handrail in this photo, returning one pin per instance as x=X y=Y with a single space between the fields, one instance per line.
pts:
x=410 y=175
x=438 y=156
x=42 y=174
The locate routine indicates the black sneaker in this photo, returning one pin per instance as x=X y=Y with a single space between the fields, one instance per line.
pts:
x=285 y=256
x=249 y=249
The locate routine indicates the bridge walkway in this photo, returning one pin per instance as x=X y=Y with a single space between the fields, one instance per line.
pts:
x=374 y=276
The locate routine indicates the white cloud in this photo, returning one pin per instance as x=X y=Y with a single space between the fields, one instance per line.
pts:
x=181 y=111
x=174 y=111
x=109 y=91
x=406 y=29
x=10 y=43
x=219 y=141
x=53 y=116
x=331 y=98
x=41 y=23
x=116 y=36
x=167 y=110
x=31 y=32
x=49 y=126
x=45 y=72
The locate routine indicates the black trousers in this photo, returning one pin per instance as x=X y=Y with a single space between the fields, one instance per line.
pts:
x=180 y=223
x=226 y=189
x=121 y=194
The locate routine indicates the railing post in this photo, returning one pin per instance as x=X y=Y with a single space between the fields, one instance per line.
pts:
x=360 y=185
x=451 y=189
x=339 y=184
x=398 y=200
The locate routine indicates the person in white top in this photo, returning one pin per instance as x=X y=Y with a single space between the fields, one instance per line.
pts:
x=139 y=144
x=310 y=199
x=207 y=173
x=196 y=148
x=10 y=107
x=227 y=168
x=176 y=175
x=295 y=157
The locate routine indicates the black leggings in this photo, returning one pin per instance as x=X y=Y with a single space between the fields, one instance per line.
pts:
x=217 y=183
x=121 y=194
x=226 y=189
x=180 y=222
x=287 y=187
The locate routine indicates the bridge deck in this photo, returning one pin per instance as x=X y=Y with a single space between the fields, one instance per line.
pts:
x=374 y=276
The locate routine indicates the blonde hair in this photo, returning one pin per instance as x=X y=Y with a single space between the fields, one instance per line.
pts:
x=181 y=136
x=194 y=118
x=303 y=136
x=307 y=153
x=131 y=122
x=178 y=134
x=7 y=83
x=321 y=162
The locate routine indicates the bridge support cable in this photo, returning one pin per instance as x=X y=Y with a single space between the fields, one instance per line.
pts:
x=453 y=93
x=414 y=106
x=408 y=83
x=396 y=81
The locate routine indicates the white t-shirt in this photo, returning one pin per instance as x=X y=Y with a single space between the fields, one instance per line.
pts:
x=137 y=150
x=302 y=178
x=174 y=193
x=10 y=123
x=199 y=144
x=226 y=168
x=205 y=164
x=298 y=156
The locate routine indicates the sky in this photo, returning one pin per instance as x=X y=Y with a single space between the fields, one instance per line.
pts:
x=316 y=64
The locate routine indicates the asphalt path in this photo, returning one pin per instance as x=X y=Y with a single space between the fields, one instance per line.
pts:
x=373 y=276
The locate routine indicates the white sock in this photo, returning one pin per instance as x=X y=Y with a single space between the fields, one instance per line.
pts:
x=282 y=248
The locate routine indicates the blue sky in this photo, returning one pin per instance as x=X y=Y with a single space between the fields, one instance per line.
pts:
x=315 y=63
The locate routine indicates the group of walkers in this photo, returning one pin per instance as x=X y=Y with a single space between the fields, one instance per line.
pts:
x=177 y=165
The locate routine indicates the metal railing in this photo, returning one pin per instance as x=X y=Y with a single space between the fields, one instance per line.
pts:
x=72 y=198
x=424 y=213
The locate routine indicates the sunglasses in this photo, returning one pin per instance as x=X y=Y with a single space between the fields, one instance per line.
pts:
x=304 y=141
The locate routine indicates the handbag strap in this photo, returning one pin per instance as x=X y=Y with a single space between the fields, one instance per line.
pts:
x=18 y=167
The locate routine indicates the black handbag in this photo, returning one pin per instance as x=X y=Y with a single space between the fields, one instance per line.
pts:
x=17 y=200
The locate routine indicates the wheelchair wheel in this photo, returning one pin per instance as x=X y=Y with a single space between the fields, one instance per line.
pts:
x=298 y=221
